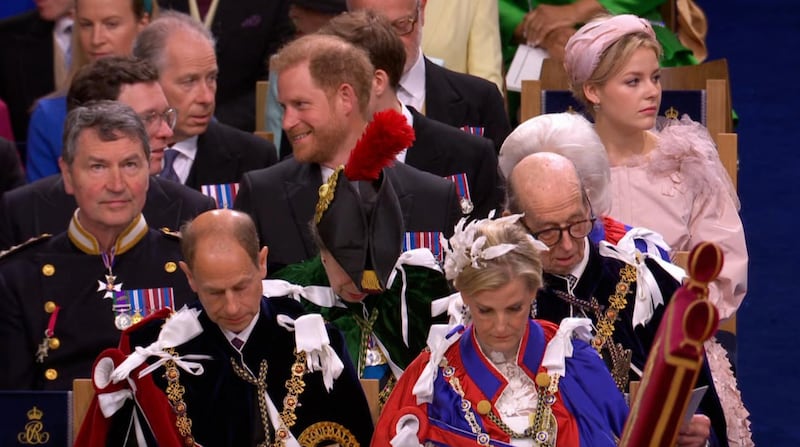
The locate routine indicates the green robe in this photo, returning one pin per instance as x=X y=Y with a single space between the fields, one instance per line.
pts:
x=675 y=54
x=424 y=286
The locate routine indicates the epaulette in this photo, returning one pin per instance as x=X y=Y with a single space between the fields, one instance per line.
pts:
x=171 y=234
x=35 y=240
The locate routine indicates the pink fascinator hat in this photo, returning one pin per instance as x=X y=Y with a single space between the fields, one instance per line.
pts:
x=585 y=47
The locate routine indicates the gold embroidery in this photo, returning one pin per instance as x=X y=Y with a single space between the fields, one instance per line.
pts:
x=319 y=433
x=34 y=433
x=326 y=192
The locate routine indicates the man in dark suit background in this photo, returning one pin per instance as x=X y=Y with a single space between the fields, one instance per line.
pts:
x=45 y=207
x=438 y=148
x=206 y=152
x=457 y=99
x=30 y=45
x=247 y=33
x=325 y=84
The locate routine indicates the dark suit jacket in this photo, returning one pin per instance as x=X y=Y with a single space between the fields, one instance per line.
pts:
x=224 y=153
x=460 y=99
x=26 y=58
x=282 y=199
x=248 y=32
x=224 y=409
x=44 y=207
x=11 y=175
x=442 y=150
x=599 y=281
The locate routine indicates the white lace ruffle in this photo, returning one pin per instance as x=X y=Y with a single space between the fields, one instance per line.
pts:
x=519 y=397
x=736 y=415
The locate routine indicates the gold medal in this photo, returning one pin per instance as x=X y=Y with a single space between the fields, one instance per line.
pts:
x=137 y=317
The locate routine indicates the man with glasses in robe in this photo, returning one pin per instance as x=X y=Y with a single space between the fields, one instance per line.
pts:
x=584 y=279
x=44 y=206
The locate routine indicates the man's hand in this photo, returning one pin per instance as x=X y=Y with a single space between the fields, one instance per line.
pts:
x=696 y=432
x=538 y=23
x=556 y=41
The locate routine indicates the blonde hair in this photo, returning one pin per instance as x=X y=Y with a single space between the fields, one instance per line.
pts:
x=521 y=262
x=612 y=60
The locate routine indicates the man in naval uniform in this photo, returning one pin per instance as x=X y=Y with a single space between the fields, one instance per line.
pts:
x=253 y=371
x=63 y=299
x=45 y=207
x=582 y=278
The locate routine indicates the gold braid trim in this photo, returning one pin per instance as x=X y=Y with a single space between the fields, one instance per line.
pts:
x=175 y=393
x=295 y=387
x=326 y=431
x=326 y=191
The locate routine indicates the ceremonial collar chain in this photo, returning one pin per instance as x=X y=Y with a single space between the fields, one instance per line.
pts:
x=543 y=427
x=606 y=324
x=294 y=386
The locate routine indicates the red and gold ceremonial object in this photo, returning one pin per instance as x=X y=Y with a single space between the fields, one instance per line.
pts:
x=676 y=357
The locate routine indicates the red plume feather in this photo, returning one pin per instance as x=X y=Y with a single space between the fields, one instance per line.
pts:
x=385 y=136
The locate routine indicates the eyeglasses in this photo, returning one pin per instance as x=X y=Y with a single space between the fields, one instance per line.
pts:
x=154 y=119
x=576 y=230
x=405 y=25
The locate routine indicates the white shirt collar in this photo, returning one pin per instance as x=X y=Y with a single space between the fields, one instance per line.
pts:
x=412 y=85
x=244 y=334
x=581 y=267
x=188 y=152
x=401 y=156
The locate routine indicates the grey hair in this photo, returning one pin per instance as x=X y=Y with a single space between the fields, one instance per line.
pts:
x=151 y=41
x=112 y=120
x=571 y=136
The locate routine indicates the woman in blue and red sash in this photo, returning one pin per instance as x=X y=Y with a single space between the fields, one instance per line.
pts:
x=495 y=376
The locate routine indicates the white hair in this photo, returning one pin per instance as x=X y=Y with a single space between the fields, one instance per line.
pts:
x=571 y=136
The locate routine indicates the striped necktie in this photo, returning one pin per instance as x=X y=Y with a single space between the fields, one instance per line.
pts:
x=168 y=171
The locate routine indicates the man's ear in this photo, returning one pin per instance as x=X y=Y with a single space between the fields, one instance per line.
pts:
x=188 y=272
x=66 y=175
x=262 y=261
x=348 y=99
x=380 y=83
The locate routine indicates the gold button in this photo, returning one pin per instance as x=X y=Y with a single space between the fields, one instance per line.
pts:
x=49 y=307
x=484 y=407
x=51 y=374
x=170 y=267
x=542 y=380
x=54 y=343
x=48 y=270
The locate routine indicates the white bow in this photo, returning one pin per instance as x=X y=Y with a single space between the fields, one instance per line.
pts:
x=560 y=346
x=419 y=257
x=319 y=295
x=407 y=432
x=648 y=293
x=311 y=337
x=438 y=342
x=179 y=328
